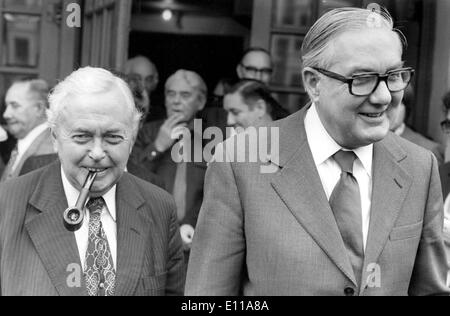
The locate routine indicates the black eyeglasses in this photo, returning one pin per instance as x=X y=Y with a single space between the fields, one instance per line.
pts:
x=445 y=125
x=254 y=70
x=365 y=84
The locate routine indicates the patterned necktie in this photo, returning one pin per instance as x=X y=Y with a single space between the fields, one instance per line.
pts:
x=8 y=172
x=99 y=271
x=345 y=202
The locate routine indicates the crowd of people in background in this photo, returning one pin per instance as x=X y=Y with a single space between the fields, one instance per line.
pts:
x=240 y=103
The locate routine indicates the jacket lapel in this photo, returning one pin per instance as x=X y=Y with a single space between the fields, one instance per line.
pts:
x=132 y=237
x=390 y=186
x=300 y=188
x=55 y=245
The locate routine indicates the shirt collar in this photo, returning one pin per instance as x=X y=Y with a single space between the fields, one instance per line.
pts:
x=72 y=195
x=323 y=146
x=24 y=143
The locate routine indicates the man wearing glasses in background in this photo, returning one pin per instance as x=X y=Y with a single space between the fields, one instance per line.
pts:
x=256 y=64
x=353 y=209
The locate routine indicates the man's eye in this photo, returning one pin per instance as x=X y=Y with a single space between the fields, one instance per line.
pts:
x=114 y=139
x=81 y=138
x=186 y=95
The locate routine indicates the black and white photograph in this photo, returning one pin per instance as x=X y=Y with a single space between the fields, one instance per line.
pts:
x=226 y=153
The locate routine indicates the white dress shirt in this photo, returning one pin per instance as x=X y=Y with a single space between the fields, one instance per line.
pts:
x=323 y=148
x=108 y=221
x=25 y=143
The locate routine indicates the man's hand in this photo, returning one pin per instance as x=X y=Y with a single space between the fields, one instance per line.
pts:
x=187 y=235
x=164 y=139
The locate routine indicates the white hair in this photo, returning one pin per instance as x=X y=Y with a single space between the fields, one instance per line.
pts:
x=193 y=79
x=86 y=81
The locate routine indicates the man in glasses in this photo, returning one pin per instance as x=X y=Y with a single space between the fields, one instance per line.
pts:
x=256 y=64
x=352 y=209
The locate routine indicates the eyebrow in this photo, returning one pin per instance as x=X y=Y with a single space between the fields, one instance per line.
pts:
x=356 y=70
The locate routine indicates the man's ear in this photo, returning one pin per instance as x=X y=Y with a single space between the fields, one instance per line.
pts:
x=240 y=71
x=55 y=143
x=311 y=81
x=261 y=108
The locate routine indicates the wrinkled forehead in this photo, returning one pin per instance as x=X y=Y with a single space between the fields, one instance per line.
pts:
x=142 y=68
x=366 y=50
x=181 y=84
x=110 y=105
x=257 y=59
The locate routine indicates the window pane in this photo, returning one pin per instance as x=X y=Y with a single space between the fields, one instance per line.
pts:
x=293 y=13
x=21 y=41
x=23 y=4
x=327 y=5
x=286 y=59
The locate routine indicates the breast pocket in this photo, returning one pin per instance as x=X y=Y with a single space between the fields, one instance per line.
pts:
x=406 y=232
x=153 y=285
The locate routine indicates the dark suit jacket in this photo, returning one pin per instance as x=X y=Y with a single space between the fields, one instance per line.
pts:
x=166 y=168
x=267 y=234
x=37 y=162
x=37 y=253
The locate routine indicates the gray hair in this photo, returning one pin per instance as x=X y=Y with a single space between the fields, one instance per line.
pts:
x=85 y=81
x=39 y=88
x=336 y=22
x=193 y=79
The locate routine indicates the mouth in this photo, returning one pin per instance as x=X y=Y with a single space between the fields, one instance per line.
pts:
x=99 y=171
x=373 y=117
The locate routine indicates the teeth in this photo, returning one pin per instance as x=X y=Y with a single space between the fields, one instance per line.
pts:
x=96 y=170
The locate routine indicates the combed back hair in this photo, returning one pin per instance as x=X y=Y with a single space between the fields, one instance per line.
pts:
x=336 y=22
x=37 y=88
x=193 y=79
x=86 y=81
x=252 y=91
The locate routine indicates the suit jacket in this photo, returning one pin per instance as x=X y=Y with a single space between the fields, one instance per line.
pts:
x=275 y=234
x=424 y=142
x=163 y=166
x=38 y=255
x=2 y=166
x=42 y=145
x=36 y=162
x=444 y=172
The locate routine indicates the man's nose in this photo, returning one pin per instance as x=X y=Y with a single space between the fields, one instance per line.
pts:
x=231 y=120
x=97 y=152
x=8 y=113
x=381 y=96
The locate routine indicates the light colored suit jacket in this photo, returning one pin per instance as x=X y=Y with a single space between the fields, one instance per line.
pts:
x=38 y=256
x=275 y=234
x=42 y=145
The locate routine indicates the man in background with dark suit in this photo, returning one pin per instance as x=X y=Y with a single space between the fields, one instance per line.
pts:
x=129 y=242
x=186 y=95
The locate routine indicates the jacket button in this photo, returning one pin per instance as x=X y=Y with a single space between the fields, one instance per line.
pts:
x=349 y=291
